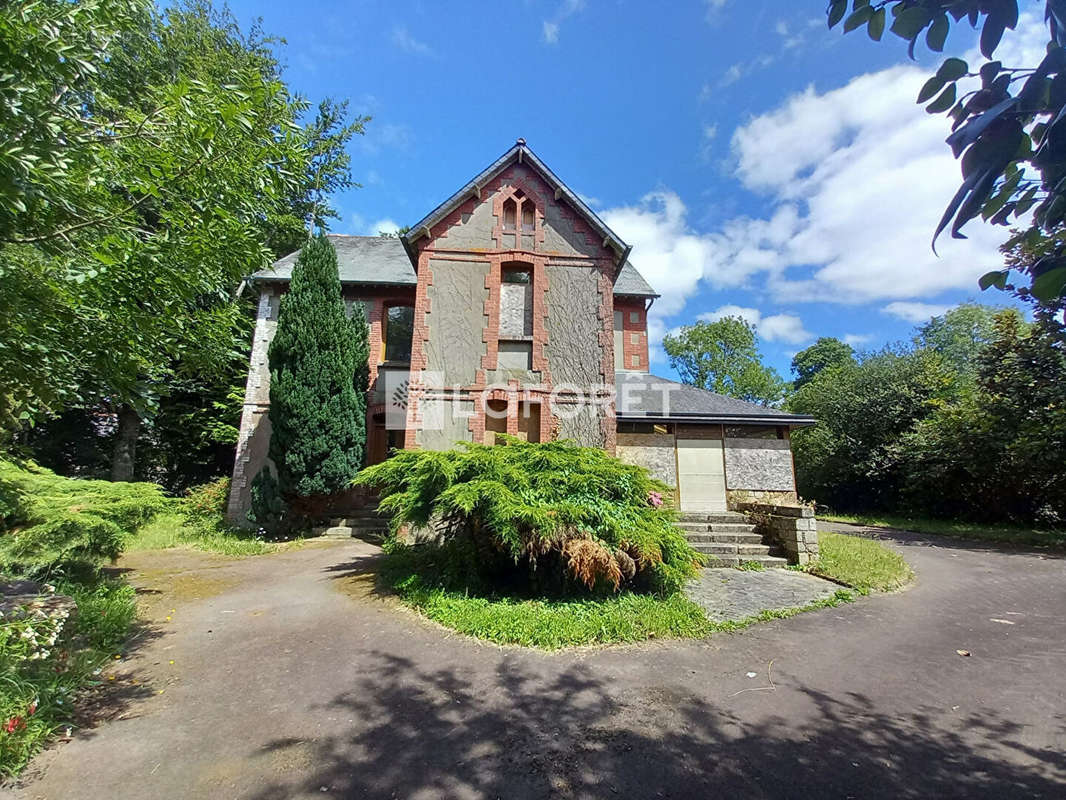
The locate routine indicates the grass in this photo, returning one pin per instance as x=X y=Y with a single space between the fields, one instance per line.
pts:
x=413 y=573
x=176 y=530
x=37 y=692
x=863 y=564
x=988 y=532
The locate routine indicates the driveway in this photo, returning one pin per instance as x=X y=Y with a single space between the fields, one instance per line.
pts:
x=290 y=678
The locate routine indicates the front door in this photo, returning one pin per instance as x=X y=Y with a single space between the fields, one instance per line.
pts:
x=701 y=475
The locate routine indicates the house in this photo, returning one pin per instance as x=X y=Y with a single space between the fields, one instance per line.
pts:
x=512 y=308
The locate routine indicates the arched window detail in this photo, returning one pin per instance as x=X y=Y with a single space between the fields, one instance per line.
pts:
x=510 y=215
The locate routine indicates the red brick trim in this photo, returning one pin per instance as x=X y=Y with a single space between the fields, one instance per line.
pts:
x=629 y=329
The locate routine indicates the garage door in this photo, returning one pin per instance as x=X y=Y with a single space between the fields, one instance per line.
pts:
x=701 y=475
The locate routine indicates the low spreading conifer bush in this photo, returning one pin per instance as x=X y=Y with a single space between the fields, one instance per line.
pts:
x=552 y=517
x=67 y=524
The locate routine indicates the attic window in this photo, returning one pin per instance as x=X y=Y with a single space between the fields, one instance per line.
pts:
x=510 y=215
x=527 y=217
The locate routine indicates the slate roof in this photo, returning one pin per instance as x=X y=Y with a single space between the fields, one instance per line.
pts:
x=360 y=259
x=650 y=397
x=519 y=152
x=632 y=284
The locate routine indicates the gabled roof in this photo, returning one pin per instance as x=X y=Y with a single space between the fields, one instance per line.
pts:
x=643 y=396
x=519 y=153
x=377 y=260
x=631 y=283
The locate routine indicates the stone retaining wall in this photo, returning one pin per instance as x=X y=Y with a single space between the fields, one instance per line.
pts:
x=794 y=528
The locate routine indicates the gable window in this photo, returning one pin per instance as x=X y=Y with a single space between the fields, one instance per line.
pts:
x=510 y=215
x=399 y=326
x=527 y=218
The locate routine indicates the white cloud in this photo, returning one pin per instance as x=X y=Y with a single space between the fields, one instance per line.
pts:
x=385 y=136
x=775 y=328
x=858 y=339
x=550 y=27
x=710 y=133
x=915 y=312
x=403 y=39
x=361 y=226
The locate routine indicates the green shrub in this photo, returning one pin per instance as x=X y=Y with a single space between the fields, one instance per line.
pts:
x=69 y=524
x=207 y=501
x=555 y=515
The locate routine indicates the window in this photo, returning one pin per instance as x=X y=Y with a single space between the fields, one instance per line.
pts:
x=510 y=215
x=754 y=432
x=643 y=427
x=399 y=325
x=527 y=217
x=516 y=301
x=529 y=422
x=634 y=316
x=495 y=420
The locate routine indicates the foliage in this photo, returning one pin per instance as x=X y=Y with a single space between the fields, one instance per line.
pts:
x=160 y=154
x=863 y=564
x=826 y=352
x=554 y=516
x=723 y=356
x=1008 y=122
x=959 y=334
x=318 y=381
x=267 y=505
x=71 y=526
x=207 y=501
x=994 y=445
x=46 y=658
x=862 y=409
x=967 y=423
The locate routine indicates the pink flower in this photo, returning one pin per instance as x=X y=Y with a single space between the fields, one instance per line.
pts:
x=655 y=499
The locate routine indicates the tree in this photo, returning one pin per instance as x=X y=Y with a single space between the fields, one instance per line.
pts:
x=827 y=352
x=163 y=157
x=318 y=384
x=960 y=334
x=1008 y=122
x=998 y=450
x=723 y=356
x=862 y=409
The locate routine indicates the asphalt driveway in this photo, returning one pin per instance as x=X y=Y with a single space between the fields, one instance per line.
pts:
x=285 y=676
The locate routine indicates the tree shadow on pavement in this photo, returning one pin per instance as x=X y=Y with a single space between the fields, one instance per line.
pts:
x=431 y=733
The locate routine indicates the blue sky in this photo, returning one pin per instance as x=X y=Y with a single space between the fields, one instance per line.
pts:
x=759 y=163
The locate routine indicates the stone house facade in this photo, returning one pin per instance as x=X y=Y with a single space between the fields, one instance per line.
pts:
x=512 y=308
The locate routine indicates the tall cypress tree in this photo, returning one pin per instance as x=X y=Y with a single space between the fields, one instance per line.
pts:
x=318 y=360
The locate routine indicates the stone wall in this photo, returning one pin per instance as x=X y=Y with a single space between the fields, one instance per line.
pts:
x=456 y=319
x=794 y=528
x=759 y=465
x=444 y=422
x=653 y=451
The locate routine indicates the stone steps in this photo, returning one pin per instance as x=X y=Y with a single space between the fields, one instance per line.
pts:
x=728 y=540
x=367 y=524
x=767 y=562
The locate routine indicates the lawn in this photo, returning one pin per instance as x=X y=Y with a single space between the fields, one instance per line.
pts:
x=998 y=532
x=863 y=564
x=414 y=574
x=177 y=530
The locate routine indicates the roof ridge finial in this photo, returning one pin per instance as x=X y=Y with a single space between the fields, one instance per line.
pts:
x=521 y=142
